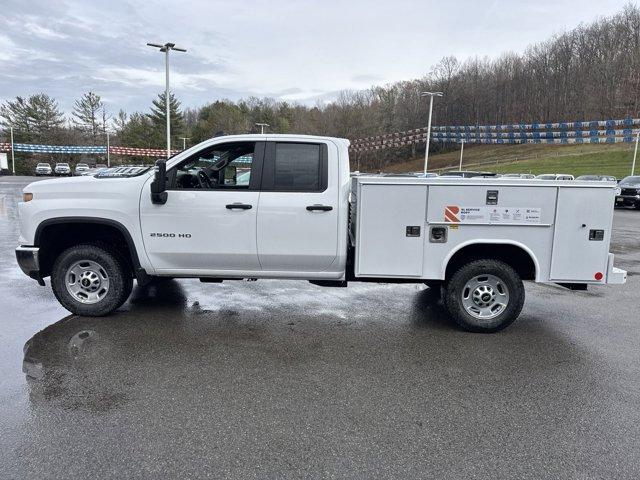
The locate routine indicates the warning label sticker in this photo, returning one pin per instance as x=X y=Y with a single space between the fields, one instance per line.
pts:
x=473 y=215
x=492 y=215
x=514 y=215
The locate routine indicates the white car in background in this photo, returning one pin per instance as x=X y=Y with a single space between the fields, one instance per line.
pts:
x=43 y=169
x=81 y=168
x=62 y=169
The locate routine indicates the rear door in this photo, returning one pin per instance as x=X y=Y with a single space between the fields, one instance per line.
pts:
x=297 y=226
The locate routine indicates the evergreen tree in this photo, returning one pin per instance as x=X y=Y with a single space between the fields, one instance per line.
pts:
x=37 y=116
x=158 y=118
x=137 y=131
x=89 y=114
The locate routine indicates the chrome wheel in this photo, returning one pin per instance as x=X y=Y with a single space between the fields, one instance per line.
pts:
x=87 y=281
x=485 y=297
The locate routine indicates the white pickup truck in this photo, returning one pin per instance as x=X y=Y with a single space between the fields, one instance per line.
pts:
x=286 y=206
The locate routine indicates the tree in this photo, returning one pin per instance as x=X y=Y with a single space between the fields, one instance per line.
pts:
x=138 y=132
x=121 y=120
x=158 y=118
x=87 y=113
x=35 y=117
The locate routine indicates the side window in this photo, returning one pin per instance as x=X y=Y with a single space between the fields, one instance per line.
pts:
x=225 y=166
x=295 y=167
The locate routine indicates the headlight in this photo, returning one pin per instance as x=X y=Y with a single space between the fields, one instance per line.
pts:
x=27 y=197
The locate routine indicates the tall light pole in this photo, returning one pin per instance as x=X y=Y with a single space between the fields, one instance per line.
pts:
x=165 y=49
x=461 y=152
x=13 y=158
x=184 y=142
x=426 y=148
x=108 y=157
x=635 y=153
x=262 y=125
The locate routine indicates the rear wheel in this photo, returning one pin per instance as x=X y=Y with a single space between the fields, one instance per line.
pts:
x=484 y=296
x=91 y=280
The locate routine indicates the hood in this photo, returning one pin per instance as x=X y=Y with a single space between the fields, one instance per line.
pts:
x=86 y=187
x=58 y=184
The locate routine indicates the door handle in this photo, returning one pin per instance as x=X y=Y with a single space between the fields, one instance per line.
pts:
x=321 y=208
x=239 y=206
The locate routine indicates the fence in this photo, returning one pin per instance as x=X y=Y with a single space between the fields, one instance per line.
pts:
x=600 y=131
x=86 y=149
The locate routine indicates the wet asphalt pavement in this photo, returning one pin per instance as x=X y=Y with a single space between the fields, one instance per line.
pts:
x=282 y=379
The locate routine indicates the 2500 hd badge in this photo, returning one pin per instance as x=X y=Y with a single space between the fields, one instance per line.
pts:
x=170 y=235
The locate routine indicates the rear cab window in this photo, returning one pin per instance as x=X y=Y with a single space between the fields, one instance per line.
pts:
x=295 y=167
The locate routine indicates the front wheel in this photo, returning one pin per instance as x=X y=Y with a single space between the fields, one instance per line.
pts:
x=91 y=280
x=484 y=296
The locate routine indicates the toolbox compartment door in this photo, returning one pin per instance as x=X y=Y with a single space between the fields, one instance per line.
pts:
x=582 y=233
x=391 y=230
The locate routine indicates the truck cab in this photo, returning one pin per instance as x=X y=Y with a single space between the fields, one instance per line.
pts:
x=252 y=207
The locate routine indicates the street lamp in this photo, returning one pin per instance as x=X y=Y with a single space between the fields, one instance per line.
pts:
x=262 y=125
x=184 y=142
x=461 y=152
x=165 y=49
x=13 y=158
x=635 y=154
x=426 y=149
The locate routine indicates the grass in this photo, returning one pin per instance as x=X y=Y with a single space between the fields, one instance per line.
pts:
x=605 y=159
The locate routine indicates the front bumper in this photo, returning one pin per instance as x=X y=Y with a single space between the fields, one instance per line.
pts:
x=29 y=262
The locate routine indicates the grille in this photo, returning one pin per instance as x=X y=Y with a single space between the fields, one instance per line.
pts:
x=629 y=191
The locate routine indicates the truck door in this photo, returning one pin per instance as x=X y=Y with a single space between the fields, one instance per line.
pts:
x=298 y=211
x=209 y=221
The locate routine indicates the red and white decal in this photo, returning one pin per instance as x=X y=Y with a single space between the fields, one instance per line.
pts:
x=451 y=214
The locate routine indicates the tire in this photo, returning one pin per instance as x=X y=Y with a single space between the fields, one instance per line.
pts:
x=95 y=273
x=484 y=296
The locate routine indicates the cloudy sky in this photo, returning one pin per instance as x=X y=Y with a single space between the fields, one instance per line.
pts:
x=303 y=51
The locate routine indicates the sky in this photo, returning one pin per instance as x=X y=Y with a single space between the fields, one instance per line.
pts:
x=301 y=51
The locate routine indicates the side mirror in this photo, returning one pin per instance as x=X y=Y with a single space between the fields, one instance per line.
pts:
x=159 y=184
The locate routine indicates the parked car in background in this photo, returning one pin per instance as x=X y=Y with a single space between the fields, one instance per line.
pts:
x=597 y=178
x=81 y=168
x=629 y=192
x=62 y=169
x=555 y=176
x=43 y=169
x=93 y=171
x=518 y=175
x=100 y=165
x=425 y=175
x=467 y=174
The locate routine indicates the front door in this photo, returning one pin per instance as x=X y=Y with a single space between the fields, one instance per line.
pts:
x=298 y=210
x=208 y=224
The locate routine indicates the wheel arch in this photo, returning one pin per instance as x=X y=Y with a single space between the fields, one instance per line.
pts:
x=514 y=253
x=54 y=228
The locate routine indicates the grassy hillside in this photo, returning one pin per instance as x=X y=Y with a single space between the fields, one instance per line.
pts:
x=606 y=159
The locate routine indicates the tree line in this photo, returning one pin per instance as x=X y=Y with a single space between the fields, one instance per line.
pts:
x=589 y=72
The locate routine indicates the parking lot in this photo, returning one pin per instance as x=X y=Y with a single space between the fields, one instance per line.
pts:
x=283 y=379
